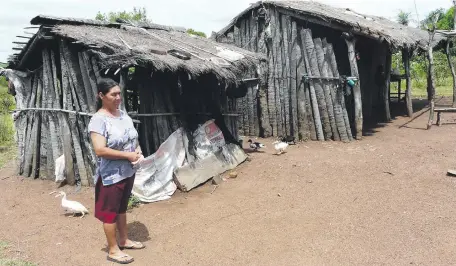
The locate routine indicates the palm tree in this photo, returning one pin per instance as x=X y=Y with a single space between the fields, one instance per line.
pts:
x=403 y=18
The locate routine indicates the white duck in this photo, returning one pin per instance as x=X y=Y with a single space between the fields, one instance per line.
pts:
x=71 y=205
x=280 y=146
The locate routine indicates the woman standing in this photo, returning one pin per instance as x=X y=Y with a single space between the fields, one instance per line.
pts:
x=115 y=141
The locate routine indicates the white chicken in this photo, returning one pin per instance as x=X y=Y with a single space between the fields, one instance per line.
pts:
x=280 y=146
x=71 y=205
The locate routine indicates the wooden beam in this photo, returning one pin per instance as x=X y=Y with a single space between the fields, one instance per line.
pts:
x=123 y=88
x=406 y=54
x=356 y=89
x=431 y=84
x=307 y=44
x=386 y=87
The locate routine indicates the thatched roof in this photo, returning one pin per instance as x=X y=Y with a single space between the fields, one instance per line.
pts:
x=397 y=35
x=124 y=44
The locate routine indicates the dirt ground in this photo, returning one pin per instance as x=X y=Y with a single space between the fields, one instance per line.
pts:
x=383 y=200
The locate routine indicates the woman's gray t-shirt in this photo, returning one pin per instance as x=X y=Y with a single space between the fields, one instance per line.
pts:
x=120 y=135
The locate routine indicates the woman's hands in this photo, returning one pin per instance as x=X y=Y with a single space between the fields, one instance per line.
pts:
x=133 y=156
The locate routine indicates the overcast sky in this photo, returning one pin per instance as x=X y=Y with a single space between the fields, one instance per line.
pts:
x=202 y=15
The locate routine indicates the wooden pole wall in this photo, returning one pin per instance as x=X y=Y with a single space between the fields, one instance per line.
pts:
x=303 y=97
x=356 y=89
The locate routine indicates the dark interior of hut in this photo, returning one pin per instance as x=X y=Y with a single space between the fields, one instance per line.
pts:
x=165 y=101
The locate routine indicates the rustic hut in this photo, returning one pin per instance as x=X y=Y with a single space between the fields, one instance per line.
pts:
x=169 y=79
x=330 y=68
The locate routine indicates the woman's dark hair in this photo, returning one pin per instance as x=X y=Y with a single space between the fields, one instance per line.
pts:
x=104 y=85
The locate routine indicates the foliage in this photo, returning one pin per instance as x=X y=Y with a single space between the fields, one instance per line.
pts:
x=403 y=18
x=428 y=22
x=137 y=15
x=133 y=202
x=11 y=262
x=445 y=19
x=197 y=33
x=6 y=105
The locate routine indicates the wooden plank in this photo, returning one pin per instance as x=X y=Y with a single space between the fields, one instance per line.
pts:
x=254 y=33
x=286 y=47
x=123 y=89
x=29 y=140
x=386 y=87
x=53 y=146
x=264 y=122
x=445 y=110
x=36 y=134
x=250 y=110
x=304 y=131
x=294 y=50
x=340 y=97
x=272 y=107
x=77 y=125
x=356 y=89
x=322 y=65
x=279 y=77
x=317 y=90
x=406 y=54
x=87 y=64
x=65 y=130
x=335 y=90
x=90 y=96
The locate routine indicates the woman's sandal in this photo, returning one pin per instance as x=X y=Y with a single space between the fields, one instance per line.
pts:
x=118 y=259
x=136 y=245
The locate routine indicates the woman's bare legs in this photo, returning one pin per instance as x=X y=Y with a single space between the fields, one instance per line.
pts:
x=113 y=248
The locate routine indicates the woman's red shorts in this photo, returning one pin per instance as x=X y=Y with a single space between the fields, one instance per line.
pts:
x=112 y=200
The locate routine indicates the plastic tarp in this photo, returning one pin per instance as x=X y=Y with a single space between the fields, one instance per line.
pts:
x=154 y=177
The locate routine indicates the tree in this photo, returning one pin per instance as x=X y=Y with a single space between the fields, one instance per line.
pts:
x=198 y=33
x=137 y=15
x=403 y=18
x=445 y=19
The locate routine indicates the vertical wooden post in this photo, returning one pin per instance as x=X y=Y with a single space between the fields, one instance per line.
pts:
x=307 y=43
x=453 y=73
x=265 y=125
x=386 y=87
x=406 y=54
x=357 y=89
x=294 y=57
x=123 y=89
x=449 y=57
x=431 y=84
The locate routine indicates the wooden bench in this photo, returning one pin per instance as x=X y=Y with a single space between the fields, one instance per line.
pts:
x=439 y=112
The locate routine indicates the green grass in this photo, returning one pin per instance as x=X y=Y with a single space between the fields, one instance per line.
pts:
x=6 y=129
x=133 y=202
x=11 y=262
x=419 y=88
x=7 y=155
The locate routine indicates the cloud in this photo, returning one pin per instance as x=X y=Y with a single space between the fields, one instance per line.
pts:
x=202 y=15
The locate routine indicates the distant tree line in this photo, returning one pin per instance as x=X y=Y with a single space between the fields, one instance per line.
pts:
x=137 y=15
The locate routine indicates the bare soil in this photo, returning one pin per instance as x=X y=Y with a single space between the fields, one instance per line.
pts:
x=383 y=200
